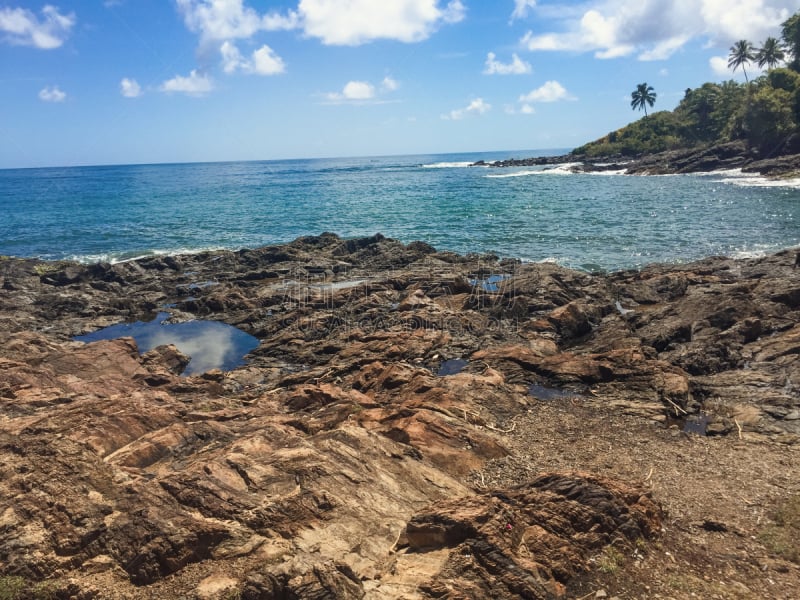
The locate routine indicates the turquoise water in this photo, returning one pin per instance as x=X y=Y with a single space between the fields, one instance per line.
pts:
x=608 y=221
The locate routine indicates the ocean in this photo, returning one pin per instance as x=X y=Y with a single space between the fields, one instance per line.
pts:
x=593 y=222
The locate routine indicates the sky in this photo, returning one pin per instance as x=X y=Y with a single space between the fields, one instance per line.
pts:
x=151 y=81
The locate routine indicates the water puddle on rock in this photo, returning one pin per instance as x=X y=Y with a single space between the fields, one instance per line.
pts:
x=542 y=392
x=697 y=424
x=211 y=344
x=491 y=283
x=452 y=367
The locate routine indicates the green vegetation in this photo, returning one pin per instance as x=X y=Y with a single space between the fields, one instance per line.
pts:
x=45 y=268
x=782 y=538
x=764 y=113
x=610 y=560
x=13 y=587
x=791 y=37
x=771 y=54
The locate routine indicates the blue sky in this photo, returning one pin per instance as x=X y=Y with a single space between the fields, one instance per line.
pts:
x=146 y=81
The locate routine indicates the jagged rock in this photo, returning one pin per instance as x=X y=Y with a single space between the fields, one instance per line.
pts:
x=528 y=541
x=338 y=462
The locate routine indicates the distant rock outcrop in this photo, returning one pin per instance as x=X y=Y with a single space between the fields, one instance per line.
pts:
x=730 y=155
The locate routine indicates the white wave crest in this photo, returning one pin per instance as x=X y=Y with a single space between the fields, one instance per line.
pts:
x=448 y=165
x=741 y=179
x=127 y=256
x=565 y=169
x=515 y=174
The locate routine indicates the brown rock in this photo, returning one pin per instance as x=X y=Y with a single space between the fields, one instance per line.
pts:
x=523 y=542
x=307 y=473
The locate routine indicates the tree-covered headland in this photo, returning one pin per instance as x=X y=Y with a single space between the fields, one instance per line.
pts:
x=763 y=114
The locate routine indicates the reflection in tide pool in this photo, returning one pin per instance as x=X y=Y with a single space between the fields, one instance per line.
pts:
x=211 y=344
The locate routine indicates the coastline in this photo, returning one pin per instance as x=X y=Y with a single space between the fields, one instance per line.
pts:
x=333 y=457
x=707 y=159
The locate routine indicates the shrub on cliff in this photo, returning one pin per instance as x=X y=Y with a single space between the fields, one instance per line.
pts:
x=656 y=133
x=769 y=119
x=765 y=114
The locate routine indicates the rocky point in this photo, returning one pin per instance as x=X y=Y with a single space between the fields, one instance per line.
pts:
x=630 y=434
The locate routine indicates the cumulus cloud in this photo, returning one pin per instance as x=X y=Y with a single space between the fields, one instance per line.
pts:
x=334 y=22
x=266 y=62
x=130 y=88
x=476 y=107
x=52 y=94
x=655 y=29
x=362 y=92
x=719 y=65
x=20 y=26
x=521 y=8
x=353 y=91
x=550 y=91
x=517 y=66
x=356 y=22
x=195 y=84
x=263 y=61
x=217 y=20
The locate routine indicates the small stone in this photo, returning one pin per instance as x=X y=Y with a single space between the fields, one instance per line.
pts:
x=214 y=586
x=792 y=416
x=718 y=428
x=601 y=594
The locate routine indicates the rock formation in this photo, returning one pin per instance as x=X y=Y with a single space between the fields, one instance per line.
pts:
x=703 y=159
x=338 y=463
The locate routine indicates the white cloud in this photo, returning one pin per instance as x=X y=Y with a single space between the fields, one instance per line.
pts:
x=517 y=66
x=719 y=65
x=218 y=20
x=52 y=94
x=550 y=91
x=454 y=12
x=232 y=59
x=389 y=85
x=194 y=85
x=655 y=29
x=363 y=92
x=130 y=88
x=263 y=61
x=266 y=62
x=20 y=26
x=353 y=91
x=355 y=22
x=524 y=109
x=521 y=8
x=664 y=49
x=476 y=107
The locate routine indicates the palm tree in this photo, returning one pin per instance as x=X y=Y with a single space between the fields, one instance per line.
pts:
x=643 y=96
x=741 y=54
x=770 y=54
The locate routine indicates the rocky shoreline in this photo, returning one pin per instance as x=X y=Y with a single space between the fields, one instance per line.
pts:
x=413 y=424
x=732 y=155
